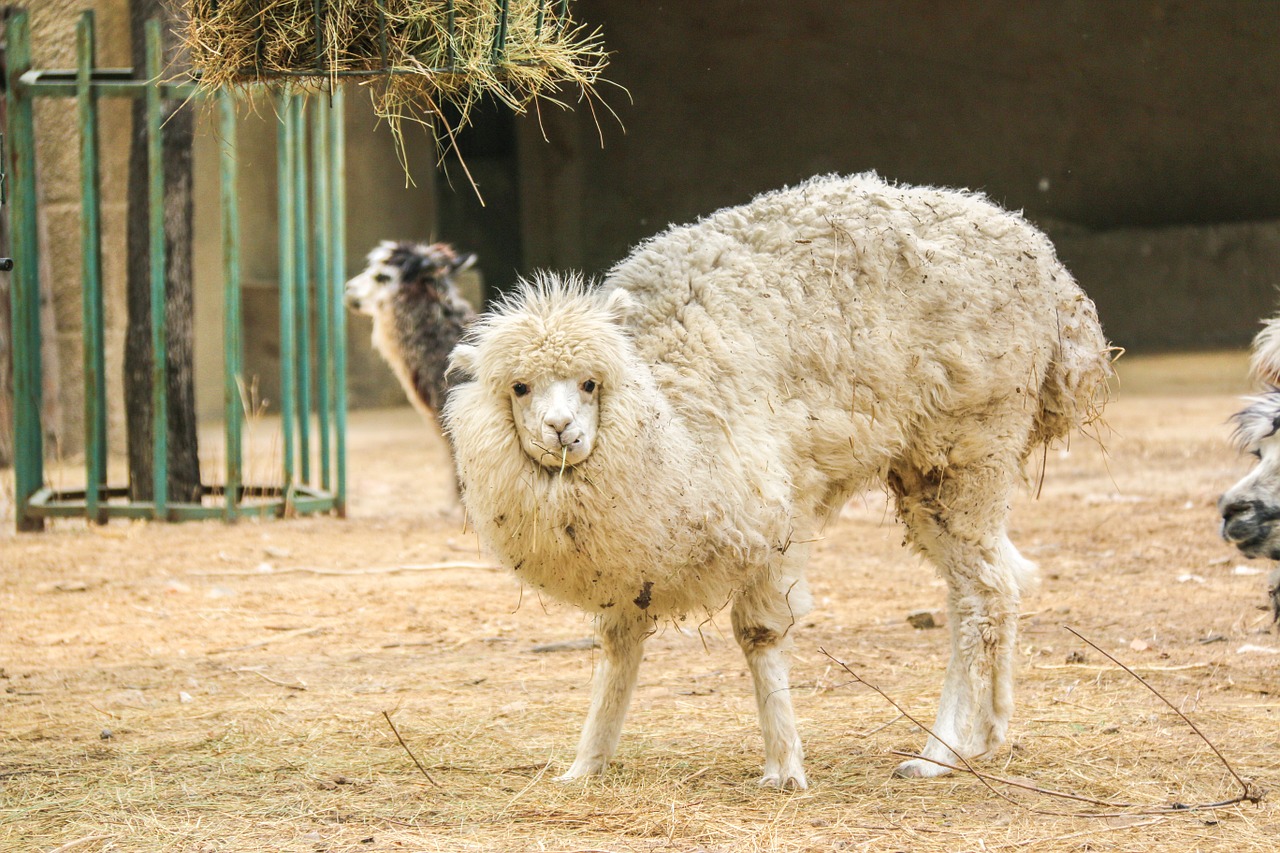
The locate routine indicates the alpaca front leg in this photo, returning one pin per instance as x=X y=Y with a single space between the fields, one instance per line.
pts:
x=762 y=616
x=614 y=681
x=977 y=692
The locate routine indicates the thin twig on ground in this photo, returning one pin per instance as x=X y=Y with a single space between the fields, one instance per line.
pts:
x=418 y=763
x=71 y=845
x=381 y=570
x=287 y=635
x=296 y=685
x=1250 y=793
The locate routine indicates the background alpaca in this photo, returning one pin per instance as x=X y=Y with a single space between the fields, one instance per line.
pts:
x=1251 y=508
x=674 y=439
x=418 y=314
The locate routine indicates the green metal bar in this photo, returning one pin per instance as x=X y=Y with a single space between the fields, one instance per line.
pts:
x=107 y=83
x=232 y=322
x=61 y=84
x=302 y=287
x=159 y=336
x=28 y=462
x=95 y=386
x=285 y=150
x=383 y=55
x=306 y=506
x=451 y=27
x=46 y=504
x=324 y=304
x=319 y=15
x=338 y=260
x=500 y=36
x=98 y=500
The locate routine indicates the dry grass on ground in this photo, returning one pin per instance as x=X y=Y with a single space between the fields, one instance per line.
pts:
x=214 y=688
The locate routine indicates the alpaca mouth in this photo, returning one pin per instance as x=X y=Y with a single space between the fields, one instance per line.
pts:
x=560 y=457
x=1256 y=543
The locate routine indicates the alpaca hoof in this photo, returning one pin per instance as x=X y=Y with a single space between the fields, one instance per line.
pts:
x=790 y=782
x=918 y=768
x=580 y=770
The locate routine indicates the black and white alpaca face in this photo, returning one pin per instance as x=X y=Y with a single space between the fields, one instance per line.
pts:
x=418 y=270
x=1251 y=508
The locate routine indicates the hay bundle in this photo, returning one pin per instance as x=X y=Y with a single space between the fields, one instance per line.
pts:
x=423 y=54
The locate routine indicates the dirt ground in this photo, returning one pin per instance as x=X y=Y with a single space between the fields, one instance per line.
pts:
x=206 y=687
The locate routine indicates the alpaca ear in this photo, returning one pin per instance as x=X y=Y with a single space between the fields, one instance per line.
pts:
x=463 y=362
x=413 y=267
x=463 y=263
x=620 y=305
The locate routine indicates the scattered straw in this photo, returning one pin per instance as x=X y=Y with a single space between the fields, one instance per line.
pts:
x=96 y=740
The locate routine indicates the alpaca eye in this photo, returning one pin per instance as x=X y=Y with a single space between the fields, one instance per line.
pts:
x=520 y=389
x=589 y=387
x=382 y=278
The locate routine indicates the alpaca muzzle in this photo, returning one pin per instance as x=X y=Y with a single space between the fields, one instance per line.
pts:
x=1249 y=525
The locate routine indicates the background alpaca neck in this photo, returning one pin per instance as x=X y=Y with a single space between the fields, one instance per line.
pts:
x=415 y=337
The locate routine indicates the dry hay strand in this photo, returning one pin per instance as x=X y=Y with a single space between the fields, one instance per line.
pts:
x=418 y=58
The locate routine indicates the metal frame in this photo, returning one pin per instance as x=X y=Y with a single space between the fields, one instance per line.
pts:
x=99 y=501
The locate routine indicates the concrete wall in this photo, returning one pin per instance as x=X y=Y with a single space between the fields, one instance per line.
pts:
x=1179 y=287
x=1109 y=116
x=58 y=175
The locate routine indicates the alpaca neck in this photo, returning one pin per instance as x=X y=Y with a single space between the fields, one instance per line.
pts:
x=415 y=340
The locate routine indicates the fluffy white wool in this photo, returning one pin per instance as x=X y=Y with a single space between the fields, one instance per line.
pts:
x=732 y=383
x=771 y=360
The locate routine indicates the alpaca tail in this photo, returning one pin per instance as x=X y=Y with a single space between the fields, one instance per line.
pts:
x=1074 y=389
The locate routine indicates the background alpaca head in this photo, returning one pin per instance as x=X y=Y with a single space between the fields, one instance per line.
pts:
x=553 y=351
x=405 y=270
x=1251 y=508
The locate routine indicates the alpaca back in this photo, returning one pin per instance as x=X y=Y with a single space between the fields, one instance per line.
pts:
x=842 y=320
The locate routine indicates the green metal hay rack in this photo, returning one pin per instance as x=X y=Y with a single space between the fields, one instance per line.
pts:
x=309 y=234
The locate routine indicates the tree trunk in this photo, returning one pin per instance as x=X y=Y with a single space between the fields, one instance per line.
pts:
x=183 y=457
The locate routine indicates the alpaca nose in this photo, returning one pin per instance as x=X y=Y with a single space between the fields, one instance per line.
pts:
x=1231 y=509
x=558 y=421
x=1237 y=520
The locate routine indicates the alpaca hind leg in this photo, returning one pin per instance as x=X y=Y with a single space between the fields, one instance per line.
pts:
x=958 y=521
x=622 y=641
x=762 y=617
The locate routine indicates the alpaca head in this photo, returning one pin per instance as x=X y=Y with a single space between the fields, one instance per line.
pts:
x=405 y=270
x=1251 y=508
x=553 y=356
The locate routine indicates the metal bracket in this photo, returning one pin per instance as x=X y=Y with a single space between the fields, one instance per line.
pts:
x=6 y=264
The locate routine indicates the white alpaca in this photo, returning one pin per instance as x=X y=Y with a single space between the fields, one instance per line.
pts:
x=1251 y=508
x=672 y=441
